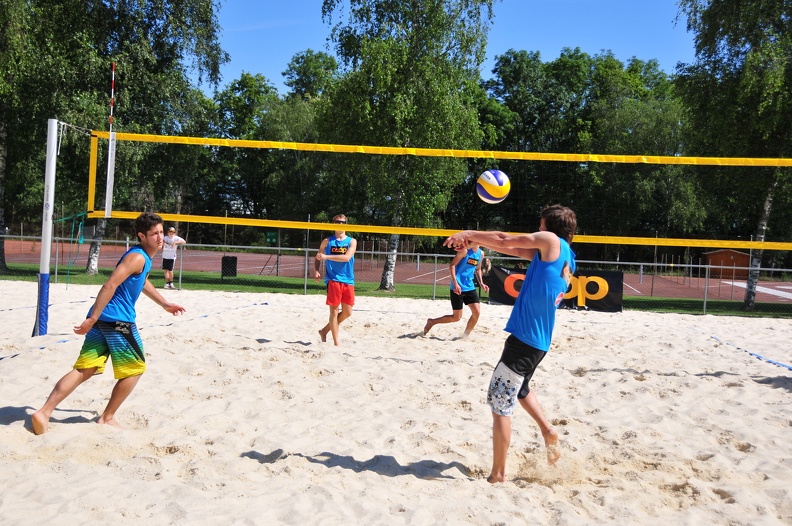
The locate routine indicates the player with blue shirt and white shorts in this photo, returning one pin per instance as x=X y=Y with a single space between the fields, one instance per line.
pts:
x=530 y=324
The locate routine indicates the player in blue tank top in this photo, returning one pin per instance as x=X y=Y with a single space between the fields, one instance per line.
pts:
x=110 y=330
x=338 y=254
x=465 y=265
x=531 y=323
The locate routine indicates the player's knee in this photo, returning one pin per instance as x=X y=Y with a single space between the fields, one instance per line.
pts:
x=87 y=374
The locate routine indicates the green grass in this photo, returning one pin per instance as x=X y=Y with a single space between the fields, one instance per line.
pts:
x=256 y=283
x=240 y=283
x=716 y=307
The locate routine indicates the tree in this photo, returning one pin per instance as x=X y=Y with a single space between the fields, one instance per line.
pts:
x=153 y=43
x=635 y=111
x=241 y=183
x=13 y=60
x=310 y=73
x=295 y=183
x=411 y=69
x=544 y=102
x=740 y=85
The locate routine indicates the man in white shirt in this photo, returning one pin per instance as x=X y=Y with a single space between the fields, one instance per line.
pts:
x=169 y=249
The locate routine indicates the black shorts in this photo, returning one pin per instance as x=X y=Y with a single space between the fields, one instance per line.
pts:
x=167 y=264
x=466 y=298
x=512 y=374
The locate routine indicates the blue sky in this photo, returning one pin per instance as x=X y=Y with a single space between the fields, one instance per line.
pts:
x=262 y=36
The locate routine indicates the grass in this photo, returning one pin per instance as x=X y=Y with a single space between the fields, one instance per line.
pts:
x=240 y=283
x=716 y=307
x=257 y=283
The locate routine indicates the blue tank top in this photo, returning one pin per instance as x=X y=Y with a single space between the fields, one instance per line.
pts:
x=465 y=270
x=533 y=316
x=121 y=306
x=335 y=270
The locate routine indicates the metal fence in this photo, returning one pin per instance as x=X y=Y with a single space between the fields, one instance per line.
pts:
x=703 y=288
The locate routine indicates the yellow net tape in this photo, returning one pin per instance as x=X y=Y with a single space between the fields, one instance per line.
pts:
x=433 y=152
x=439 y=232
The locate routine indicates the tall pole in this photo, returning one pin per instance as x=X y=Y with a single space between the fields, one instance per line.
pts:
x=40 y=327
x=112 y=95
x=111 y=152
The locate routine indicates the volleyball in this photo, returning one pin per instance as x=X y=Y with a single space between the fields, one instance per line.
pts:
x=493 y=186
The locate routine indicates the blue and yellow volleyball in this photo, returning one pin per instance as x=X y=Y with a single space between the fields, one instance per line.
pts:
x=493 y=186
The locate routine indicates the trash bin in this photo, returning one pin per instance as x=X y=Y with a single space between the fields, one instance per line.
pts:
x=228 y=267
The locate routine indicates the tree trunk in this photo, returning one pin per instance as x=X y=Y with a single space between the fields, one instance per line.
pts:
x=386 y=282
x=3 y=157
x=749 y=302
x=92 y=267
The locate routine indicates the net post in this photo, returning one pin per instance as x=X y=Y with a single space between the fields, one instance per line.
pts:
x=92 y=173
x=42 y=309
x=111 y=154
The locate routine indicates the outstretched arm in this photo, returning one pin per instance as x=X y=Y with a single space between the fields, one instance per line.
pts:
x=520 y=245
x=151 y=291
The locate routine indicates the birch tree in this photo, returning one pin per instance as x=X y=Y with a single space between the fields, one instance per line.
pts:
x=409 y=71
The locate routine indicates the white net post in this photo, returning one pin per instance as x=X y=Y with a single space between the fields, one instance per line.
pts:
x=42 y=310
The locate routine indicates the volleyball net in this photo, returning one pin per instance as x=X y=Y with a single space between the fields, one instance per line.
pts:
x=113 y=137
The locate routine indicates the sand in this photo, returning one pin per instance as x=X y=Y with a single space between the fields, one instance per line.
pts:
x=244 y=417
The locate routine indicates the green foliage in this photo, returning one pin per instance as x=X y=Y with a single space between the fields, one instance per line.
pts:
x=408 y=76
x=280 y=184
x=635 y=110
x=739 y=97
x=310 y=73
x=410 y=81
x=58 y=65
x=579 y=103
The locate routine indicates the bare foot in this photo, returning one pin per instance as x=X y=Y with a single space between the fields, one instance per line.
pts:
x=110 y=422
x=553 y=448
x=322 y=335
x=40 y=423
x=428 y=326
x=494 y=479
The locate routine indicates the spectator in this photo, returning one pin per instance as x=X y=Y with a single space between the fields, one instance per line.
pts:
x=169 y=249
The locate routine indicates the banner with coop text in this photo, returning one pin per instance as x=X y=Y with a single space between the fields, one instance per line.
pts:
x=598 y=290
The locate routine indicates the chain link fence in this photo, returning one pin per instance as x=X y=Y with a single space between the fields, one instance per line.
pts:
x=664 y=286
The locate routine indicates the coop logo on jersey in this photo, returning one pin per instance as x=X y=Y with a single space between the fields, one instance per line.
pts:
x=559 y=299
x=338 y=250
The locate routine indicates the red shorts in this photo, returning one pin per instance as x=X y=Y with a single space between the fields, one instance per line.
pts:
x=338 y=293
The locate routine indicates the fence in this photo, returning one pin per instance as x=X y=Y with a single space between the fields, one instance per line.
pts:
x=664 y=286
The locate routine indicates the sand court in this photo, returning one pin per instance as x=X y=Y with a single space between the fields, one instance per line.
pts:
x=244 y=416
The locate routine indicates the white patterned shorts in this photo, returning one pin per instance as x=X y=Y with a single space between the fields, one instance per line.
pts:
x=506 y=385
x=503 y=389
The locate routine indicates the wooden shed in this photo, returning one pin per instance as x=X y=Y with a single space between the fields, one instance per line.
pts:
x=736 y=263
